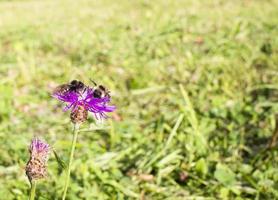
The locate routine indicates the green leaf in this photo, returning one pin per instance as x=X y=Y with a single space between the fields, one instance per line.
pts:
x=201 y=167
x=224 y=175
x=60 y=162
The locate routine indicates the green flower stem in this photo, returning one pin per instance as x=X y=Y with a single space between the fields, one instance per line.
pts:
x=73 y=144
x=33 y=190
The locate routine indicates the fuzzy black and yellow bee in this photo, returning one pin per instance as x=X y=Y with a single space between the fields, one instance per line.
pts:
x=100 y=91
x=73 y=86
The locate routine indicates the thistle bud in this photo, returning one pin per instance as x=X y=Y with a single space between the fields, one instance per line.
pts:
x=36 y=166
x=79 y=115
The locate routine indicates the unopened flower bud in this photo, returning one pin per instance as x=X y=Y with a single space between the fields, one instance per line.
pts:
x=36 y=166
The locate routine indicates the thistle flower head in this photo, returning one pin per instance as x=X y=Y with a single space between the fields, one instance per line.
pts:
x=86 y=99
x=79 y=115
x=36 y=166
x=39 y=148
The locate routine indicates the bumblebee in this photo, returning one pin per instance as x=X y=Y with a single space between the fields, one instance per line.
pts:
x=73 y=86
x=100 y=91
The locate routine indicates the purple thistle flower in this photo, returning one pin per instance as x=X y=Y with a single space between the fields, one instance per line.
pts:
x=40 y=149
x=36 y=166
x=86 y=99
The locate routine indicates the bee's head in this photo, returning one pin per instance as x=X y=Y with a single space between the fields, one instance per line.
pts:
x=74 y=82
x=101 y=87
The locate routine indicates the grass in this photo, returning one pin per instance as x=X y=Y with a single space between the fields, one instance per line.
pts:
x=195 y=83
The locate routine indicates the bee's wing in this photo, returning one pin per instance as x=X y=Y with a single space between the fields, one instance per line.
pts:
x=61 y=89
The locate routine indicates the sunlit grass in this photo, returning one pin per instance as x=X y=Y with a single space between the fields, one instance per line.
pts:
x=195 y=84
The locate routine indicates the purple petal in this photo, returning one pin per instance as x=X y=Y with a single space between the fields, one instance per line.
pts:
x=98 y=106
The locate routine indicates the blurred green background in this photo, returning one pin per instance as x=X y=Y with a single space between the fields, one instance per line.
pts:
x=195 y=83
